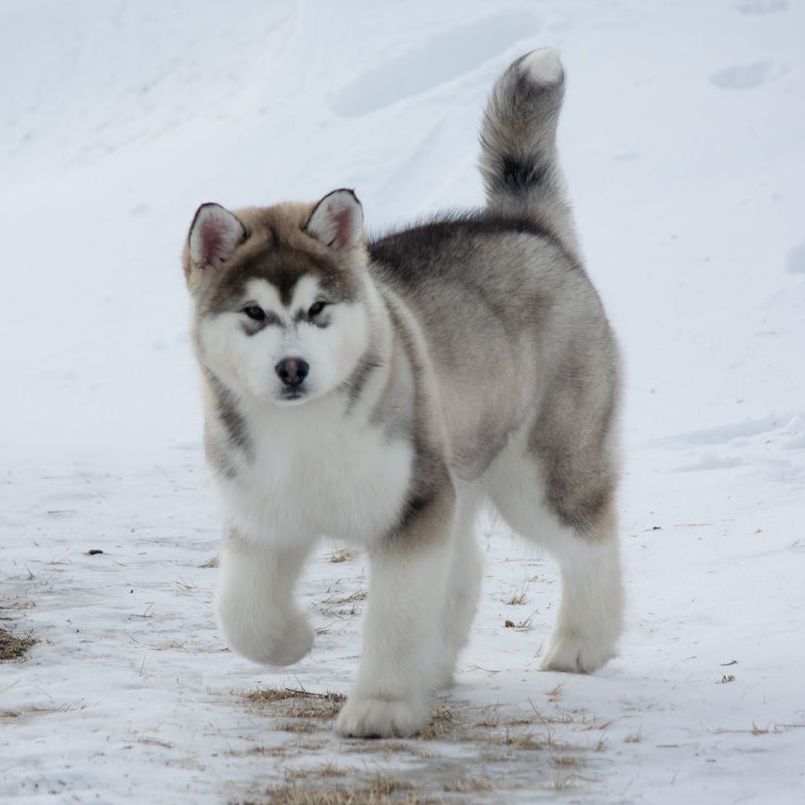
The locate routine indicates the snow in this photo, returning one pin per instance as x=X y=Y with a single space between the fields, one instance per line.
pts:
x=682 y=141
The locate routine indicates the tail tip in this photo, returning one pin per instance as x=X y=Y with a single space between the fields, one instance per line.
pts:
x=543 y=66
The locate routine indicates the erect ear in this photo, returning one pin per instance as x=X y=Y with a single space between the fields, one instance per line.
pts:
x=337 y=220
x=214 y=235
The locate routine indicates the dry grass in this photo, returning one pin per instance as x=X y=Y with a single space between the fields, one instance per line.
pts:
x=565 y=761
x=155 y=742
x=14 y=648
x=517 y=721
x=358 y=595
x=528 y=740
x=325 y=771
x=583 y=718
x=293 y=703
x=386 y=747
x=526 y=731
x=554 y=694
x=774 y=729
x=343 y=555
x=297 y=726
x=378 y=790
x=442 y=723
x=211 y=562
x=13 y=715
x=490 y=718
x=519 y=598
x=18 y=604
x=555 y=718
x=254 y=751
x=469 y=785
x=497 y=735
x=172 y=645
x=264 y=695
x=10 y=715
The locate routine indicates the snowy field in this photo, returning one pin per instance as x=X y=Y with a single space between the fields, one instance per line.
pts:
x=683 y=139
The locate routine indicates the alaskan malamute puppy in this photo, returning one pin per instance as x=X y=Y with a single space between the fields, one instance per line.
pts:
x=379 y=392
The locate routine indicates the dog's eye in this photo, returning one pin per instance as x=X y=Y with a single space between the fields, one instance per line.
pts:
x=315 y=309
x=254 y=312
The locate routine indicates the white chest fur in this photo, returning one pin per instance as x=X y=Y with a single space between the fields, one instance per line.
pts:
x=315 y=471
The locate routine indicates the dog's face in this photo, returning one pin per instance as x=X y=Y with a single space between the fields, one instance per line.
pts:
x=280 y=296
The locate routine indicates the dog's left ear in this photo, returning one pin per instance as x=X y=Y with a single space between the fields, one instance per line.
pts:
x=337 y=220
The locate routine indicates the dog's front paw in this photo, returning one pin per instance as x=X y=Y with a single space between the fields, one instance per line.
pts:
x=576 y=654
x=293 y=643
x=381 y=718
x=267 y=641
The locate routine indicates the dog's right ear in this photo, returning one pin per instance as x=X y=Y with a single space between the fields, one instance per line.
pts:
x=214 y=235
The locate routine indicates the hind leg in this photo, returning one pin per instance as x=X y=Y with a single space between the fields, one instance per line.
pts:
x=590 y=612
x=463 y=588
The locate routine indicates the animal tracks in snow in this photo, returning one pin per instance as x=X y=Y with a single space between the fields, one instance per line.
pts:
x=710 y=461
x=795 y=260
x=445 y=57
x=761 y=6
x=725 y=434
x=770 y=444
x=747 y=76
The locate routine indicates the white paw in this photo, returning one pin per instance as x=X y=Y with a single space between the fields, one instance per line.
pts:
x=576 y=654
x=381 y=718
x=543 y=66
x=269 y=642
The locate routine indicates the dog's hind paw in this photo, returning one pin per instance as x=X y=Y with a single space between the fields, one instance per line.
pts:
x=381 y=718
x=576 y=654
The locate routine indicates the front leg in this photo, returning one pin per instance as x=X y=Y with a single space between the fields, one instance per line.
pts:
x=255 y=606
x=400 y=634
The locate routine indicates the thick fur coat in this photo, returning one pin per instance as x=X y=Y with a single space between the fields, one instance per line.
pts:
x=379 y=393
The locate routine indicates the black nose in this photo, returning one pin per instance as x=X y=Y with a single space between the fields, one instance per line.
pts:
x=292 y=371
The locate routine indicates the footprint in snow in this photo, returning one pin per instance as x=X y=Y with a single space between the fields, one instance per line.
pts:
x=746 y=76
x=710 y=461
x=761 y=6
x=795 y=261
x=724 y=434
x=438 y=61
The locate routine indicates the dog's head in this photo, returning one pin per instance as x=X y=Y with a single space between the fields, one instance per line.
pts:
x=280 y=296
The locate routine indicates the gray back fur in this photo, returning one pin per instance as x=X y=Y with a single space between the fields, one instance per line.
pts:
x=515 y=330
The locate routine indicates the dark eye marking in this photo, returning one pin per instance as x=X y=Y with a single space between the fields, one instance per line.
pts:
x=259 y=319
x=255 y=313
x=316 y=308
x=313 y=314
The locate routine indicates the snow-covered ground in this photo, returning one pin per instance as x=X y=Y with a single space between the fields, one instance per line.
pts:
x=683 y=141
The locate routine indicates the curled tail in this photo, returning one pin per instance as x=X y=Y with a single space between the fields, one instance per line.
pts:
x=519 y=160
